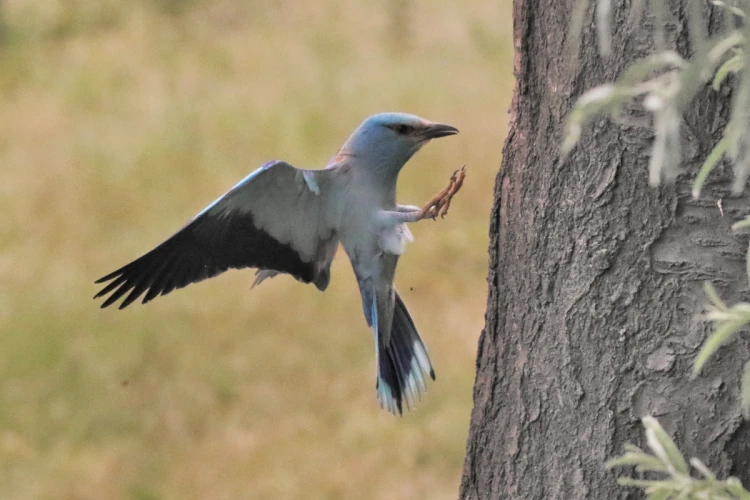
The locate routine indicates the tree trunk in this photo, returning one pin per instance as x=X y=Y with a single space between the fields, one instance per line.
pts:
x=595 y=281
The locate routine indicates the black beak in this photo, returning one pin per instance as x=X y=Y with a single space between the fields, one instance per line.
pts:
x=437 y=130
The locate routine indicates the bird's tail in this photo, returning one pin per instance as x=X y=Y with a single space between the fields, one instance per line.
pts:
x=403 y=364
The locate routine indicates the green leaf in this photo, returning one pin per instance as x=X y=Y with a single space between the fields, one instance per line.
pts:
x=660 y=494
x=576 y=26
x=711 y=292
x=603 y=30
x=735 y=488
x=590 y=104
x=746 y=392
x=641 y=483
x=734 y=10
x=721 y=336
x=701 y=467
x=663 y=446
x=731 y=65
x=716 y=153
x=629 y=447
x=641 y=461
x=638 y=71
x=660 y=12
x=725 y=43
x=743 y=224
x=679 y=485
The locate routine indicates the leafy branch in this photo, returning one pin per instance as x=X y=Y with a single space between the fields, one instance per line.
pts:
x=666 y=460
x=665 y=84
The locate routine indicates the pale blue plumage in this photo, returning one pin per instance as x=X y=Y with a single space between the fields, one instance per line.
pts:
x=280 y=219
x=249 y=177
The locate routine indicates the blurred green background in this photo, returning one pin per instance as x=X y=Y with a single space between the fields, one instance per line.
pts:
x=119 y=120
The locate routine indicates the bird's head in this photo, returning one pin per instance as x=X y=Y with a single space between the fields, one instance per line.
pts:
x=388 y=140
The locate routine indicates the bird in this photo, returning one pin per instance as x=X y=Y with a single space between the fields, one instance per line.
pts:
x=286 y=220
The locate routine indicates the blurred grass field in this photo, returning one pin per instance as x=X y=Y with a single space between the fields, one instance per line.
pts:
x=121 y=120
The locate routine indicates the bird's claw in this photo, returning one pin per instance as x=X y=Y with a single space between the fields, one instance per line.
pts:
x=441 y=202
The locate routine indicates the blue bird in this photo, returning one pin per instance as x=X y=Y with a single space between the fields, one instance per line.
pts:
x=281 y=219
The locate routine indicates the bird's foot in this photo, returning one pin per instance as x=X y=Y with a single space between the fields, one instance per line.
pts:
x=441 y=202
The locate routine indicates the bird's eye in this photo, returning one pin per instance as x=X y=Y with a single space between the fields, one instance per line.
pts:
x=403 y=129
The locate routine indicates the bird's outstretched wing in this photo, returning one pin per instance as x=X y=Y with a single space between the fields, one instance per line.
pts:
x=276 y=219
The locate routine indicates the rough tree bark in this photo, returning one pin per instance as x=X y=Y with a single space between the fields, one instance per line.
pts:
x=595 y=281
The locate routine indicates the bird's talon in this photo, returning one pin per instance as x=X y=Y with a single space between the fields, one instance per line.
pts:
x=439 y=204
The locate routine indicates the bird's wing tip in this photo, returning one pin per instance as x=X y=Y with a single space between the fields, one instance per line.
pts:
x=110 y=276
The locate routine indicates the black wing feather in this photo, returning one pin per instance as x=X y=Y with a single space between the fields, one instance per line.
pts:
x=204 y=248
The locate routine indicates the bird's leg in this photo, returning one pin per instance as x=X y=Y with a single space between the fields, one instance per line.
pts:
x=438 y=205
x=441 y=202
x=407 y=209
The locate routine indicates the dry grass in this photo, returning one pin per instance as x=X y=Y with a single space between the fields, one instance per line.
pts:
x=118 y=122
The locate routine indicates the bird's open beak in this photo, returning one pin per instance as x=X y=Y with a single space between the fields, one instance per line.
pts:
x=435 y=130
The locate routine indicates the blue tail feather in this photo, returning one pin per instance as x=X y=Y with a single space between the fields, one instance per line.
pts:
x=403 y=363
